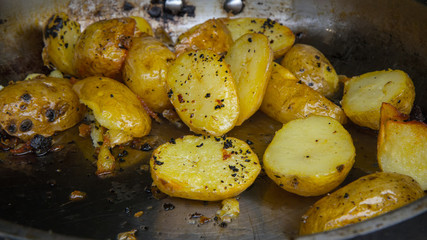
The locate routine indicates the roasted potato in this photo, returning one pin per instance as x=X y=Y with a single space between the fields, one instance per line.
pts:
x=202 y=90
x=288 y=98
x=310 y=156
x=142 y=27
x=365 y=198
x=312 y=67
x=364 y=94
x=42 y=105
x=60 y=35
x=212 y=35
x=402 y=145
x=280 y=37
x=250 y=59
x=145 y=69
x=102 y=47
x=204 y=168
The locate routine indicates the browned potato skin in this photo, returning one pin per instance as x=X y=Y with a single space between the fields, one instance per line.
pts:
x=145 y=70
x=365 y=198
x=288 y=98
x=212 y=35
x=39 y=106
x=102 y=48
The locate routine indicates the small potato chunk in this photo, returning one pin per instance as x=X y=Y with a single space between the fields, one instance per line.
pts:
x=202 y=90
x=142 y=27
x=114 y=105
x=402 y=146
x=204 y=168
x=145 y=70
x=364 y=94
x=288 y=98
x=312 y=67
x=250 y=60
x=365 y=198
x=102 y=47
x=60 y=35
x=279 y=36
x=310 y=156
x=212 y=35
x=43 y=105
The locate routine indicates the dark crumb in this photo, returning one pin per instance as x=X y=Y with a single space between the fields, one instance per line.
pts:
x=223 y=224
x=155 y=11
x=249 y=142
x=168 y=206
x=146 y=147
x=40 y=144
x=127 y=6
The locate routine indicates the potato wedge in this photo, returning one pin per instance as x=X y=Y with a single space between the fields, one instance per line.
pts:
x=364 y=94
x=250 y=59
x=212 y=35
x=312 y=67
x=365 y=198
x=60 y=35
x=145 y=69
x=402 y=146
x=288 y=98
x=280 y=37
x=204 y=168
x=203 y=93
x=102 y=47
x=310 y=156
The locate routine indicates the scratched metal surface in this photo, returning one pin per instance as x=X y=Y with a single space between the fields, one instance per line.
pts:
x=34 y=191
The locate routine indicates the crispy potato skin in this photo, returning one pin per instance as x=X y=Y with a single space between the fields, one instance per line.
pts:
x=287 y=98
x=364 y=94
x=310 y=156
x=204 y=168
x=114 y=105
x=365 y=198
x=312 y=67
x=60 y=35
x=145 y=71
x=102 y=48
x=39 y=106
x=212 y=35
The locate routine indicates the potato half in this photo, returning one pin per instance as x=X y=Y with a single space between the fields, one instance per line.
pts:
x=202 y=90
x=312 y=67
x=288 y=98
x=365 y=198
x=250 y=59
x=402 y=146
x=310 y=156
x=204 y=168
x=279 y=36
x=145 y=69
x=364 y=94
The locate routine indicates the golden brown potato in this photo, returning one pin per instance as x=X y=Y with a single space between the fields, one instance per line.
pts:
x=102 y=47
x=204 y=168
x=288 y=98
x=364 y=94
x=312 y=67
x=60 y=35
x=212 y=35
x=280 y=37
x=142 y=27
x=145 y=70
x=310 y=156
x=402 y=146
x=41 y=106
x=202 y=90
x=250 y=59
x=365 y=198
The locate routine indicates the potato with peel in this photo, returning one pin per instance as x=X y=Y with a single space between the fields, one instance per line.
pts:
x=310 y=66
x=402 y=145
x=364 y=94
x=280 y=37
x=250 y=59
x=367 y=197
x=202 y=90
x=288 y=98
x=310 y=156
x=142 y=27
x=204 y=168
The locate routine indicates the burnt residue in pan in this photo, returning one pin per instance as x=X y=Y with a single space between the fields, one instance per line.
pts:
x=157 y=9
